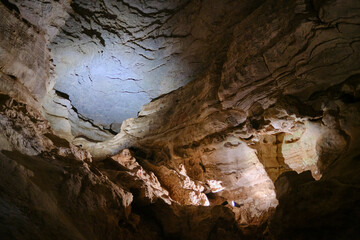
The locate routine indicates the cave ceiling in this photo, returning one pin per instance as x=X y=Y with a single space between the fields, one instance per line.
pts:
x=111 y=57
x=137 y=119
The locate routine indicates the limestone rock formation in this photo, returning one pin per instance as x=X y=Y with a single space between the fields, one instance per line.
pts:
x=122 y=54
x=50 y=189
x=47 y=187
x=179 y=119
x=25 y=60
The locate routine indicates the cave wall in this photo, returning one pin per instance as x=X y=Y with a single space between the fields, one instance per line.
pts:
x=265 y=133
x=204 y=106
x=112 y=57
x=50 y=189
x=288 y=81
x=25 y=65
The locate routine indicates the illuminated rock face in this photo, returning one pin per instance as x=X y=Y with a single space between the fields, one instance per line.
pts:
x=24 y=62
x=259 y=142
x=264 y=117
x=112 y=57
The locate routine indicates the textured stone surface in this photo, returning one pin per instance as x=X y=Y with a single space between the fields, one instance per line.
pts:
x=70 y=200
x=25 y=67
x=151 y=189
x=68 y=123
x=271 y=119
x=328 y=209
x=49 y=16
x=46 y=181
x=295 y=102
x=24 y=59
x=112 y=57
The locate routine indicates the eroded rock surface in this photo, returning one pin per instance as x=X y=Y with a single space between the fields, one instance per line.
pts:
x=287 y=109
x=72 y=199
x=259 y=141
x=112 y=57
x=25 y=59
x=113 y=199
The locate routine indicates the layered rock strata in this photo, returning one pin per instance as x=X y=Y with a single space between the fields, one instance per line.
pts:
x=284 y=115
x=25 y=59
x=51 y=189
x=261 y=144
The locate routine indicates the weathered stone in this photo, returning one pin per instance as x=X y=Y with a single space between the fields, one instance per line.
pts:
x=265 y=93
x=24 y=59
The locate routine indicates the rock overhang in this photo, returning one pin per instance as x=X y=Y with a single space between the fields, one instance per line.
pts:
x=112 y=57
x=236 y=129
